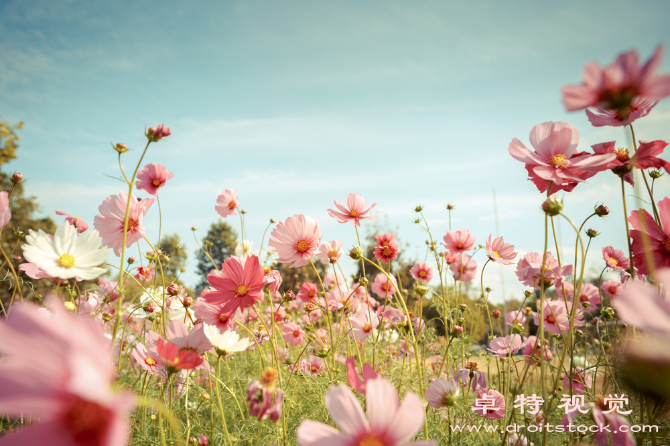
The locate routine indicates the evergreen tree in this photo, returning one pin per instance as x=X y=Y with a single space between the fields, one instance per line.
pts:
x=219 y=243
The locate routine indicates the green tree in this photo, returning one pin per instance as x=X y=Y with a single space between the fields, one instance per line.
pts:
x=219 y=243
x=171 y=246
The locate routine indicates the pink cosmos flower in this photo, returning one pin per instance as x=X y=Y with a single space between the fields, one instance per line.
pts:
x=555 y=317
x=515 y=317
x=152 y=177
x=330 y=252
x=110 y=222
x=296 y=240
x=272 y=278
x=145 y=273
x=554 y=144
x=611 y=287
x=529 y=270
x=642 y=306
x=616 y=86
x=422 y=271
x=149 y=361
x=382 y=288
x=581 y=379
x=241 y=285
x=459 y=241
x=450 y=257
x=645 y=157
x=386 y=253
x=354 y=212
x=69 y=391
x=194 y=341
x=333 y=279
x=470 y=374
x=464 y=268
x=589 y=298
x=265 y=399
x=33 y=271
x=307 y=291
x=314 y=365
x=5 y=213
x=442 y=393
x=226 y=203
x=388 y=423
x=499 y=251
x=489 y=403
x=362 y=323
x=110 y=288
x=385 y=239
x=533 y=351
x=155 y=134
x=356 y=383
x=176 y=359
x=659 y=238
x=509 y=345
x=638 y=108
x=293 y=334
x=615 y=258
x=77 y=222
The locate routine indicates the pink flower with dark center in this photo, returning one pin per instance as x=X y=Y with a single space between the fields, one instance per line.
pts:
x=381 y=287
x=581 y=379
x=459 y=241
x=568 y=185
x=615 y=258
x=638 y=108
x=77 y=222
x=555 y=317
x=589 y=298
x=645 y=157
x=642 y=305
x=489 y=403
x=226 y=203
x=499 y=251
x=356 y=383
x=451 y=257
x=307 y=291
x=354 y=212
x=5 y=212
x=386 y=253
x=362 y=323
x=659 y=238
x=422 y=271
x=611 y=287
x=110 y=222
x=330 y=252
x=194 y=341
x=212 y=314
x=388 y=423
x=155 y=134
x=603 y=416
x=296 y=240
x=314 y=365
x=509 y=345
x=554 y=144
x=152 y=177
x=385 y=239
x=533 y=351
x=58 y=371
x=241 y=285
x=293 y=334
x=145 y=273
x=442 y=393
x=515 y=317
x=464 y=268
x=617 y=86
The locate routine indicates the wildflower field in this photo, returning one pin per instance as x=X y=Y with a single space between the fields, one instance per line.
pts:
x=101 y=343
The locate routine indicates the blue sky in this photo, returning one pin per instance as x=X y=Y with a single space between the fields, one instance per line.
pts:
x=293 y=104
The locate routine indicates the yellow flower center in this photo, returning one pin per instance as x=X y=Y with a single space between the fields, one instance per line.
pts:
x=367 y=328
x=232 y=205
x=302 y=245
x=150 y=361
x=66 y=261
x=267 y=270
x=614 y=261
x=495 y=253
x=332 y=254
x=558 y=161
x=370 y=441
x=422 y=273
x=622 y=155
x=156 y=182
x=242 y=290
x=353 y=213
x=223 y=317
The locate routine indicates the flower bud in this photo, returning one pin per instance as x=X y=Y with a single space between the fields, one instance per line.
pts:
x=290 y=295
x=173 y=289
x=182 y=269
x=607 y=313
x=131 y=260
x=363 y=281
x=119 y=147
x=155 y=134
x=495 y=314
x=17 y=259
x=449 y=206
x=205 y=396
x=19 y=233
x=192 y=440
x=187 y=301
x=655 y=174
x=150 y=255
x=462 y=307
x=417 y=221
x=356 y=253
x=528 y=293
x=460 y=320
x=488 y=289
x=243 y=211
x=419 y=208
x=601 y=210
x=69 y=306
x=17 y=178
x=107 y=316
x=456 y=331
x=420 y=289
x=193 y=228
x=517 y=328
x=552 y=206
x=592 y=233
x=273 y=221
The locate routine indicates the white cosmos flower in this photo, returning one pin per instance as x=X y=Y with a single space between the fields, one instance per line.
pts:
x=244 y=249
x=68 y=254
x=226 y=342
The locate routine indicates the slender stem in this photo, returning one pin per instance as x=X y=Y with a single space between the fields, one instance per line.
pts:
x=625 y=217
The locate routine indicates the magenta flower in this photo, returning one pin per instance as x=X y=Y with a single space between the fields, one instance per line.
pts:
x=265 y=399
x=58 y=371
x=293 y=334
x=509 y=345
x=226 y=203
x=554 y=144
x=296 y=240
x=356 y=383
x=5 y=213
x=381 y=287
x=385 y=239
x=77 y=222
x=442 y=393
x=616 y=87
x=388 y=423
x=241 y=285
x=330 y=252
x=489 y=403
x=499 y=251
x=176 y=359
x=354 y=212
x=422 y=271
x=386 y=253
x=642 y=306
x=110 y=222
x=152 y=177
x=155 y=134
x=459 y=241
x=362 y=323
x=307 y=291
x=464 y=268
x=659 y=238
x=615 y=258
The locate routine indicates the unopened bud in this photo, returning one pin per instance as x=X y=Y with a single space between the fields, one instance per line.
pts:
x=177 y=247
x=19 y=233
x=552 y=206
x=363 y=281
x=290 y=295
x=419 y=208
x=456 y=330
x=205 y=396
x=592 y=233
x=528 y=293
x=155 y=134
x=173 y=289
x=182 y=269
x=517 y=328
x=495 y=314
x=460 y=320
x=655 y=174
x=131 y=260
x=193 y=228
x=107 y=316
x=192 y=440
x=119 y=147
x=187 y=301
x=243 y=211
x=528 y=311
x=450 y=206
x=17 y=178
x=420 y=289
x=17 y=259
x=488 y=289
x=273 y=221
x=601 y=210
x=356 y=253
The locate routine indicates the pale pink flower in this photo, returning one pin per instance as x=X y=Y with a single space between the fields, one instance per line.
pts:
x=615 y=258
x=451 y=257
x=354 y=212
x=470 y=374
x=602 y=417
x=642 y=306
x=195 y=341
x=499 y=251
x=307 y=291
x=145 y=273
x=68 y=392
x=638 y=108
x=533 y=351
x=554 y=144
x=503 y=347
x=5 y=212
x=442 y=393
x=515 y=317
x=659 y=238
x=362 y=323
x=314 y=365
x=333 y=279
x=226 y=203
x=589 y=298
x=422 y=271
x=213 y=314
x=33 y=271
x=616 y=86
x=293 y=334
x=529 y=270
x=330 y=252
x=555 y=316
x=464 y=268
x=77 y=222
x=296 y=240
x=489 y=403
x=110 y=222
x=459 y=241
x=272 y=278
x=356 y=383
x=241 y=285
x=388 y=423
x=110 y=288
x=149 y=361
x=152 y=177
x=381 y=287
x=611 y=287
